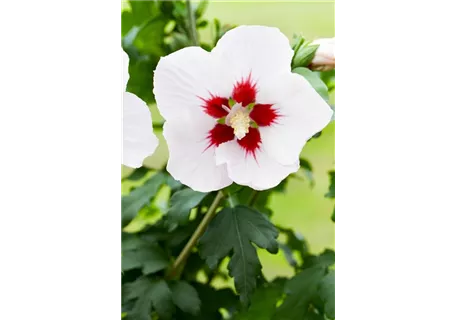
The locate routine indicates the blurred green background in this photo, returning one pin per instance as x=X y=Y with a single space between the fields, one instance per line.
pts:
x=303 y=208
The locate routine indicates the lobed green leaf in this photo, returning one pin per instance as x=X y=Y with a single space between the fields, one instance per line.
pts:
x=150 y=259
x=185 y=297
x=149 y=294
x=240 y=226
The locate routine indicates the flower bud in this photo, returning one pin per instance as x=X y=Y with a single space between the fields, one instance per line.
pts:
x=324 y=59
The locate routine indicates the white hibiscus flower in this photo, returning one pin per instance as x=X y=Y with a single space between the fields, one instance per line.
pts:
x=138 y=139
x=237 y=113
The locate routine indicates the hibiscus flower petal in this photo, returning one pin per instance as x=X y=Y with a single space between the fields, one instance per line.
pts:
x=139 y=140
x=259 y=51
x=260 y=172
x=301 y=113
x=191 y=156
x=185 y=80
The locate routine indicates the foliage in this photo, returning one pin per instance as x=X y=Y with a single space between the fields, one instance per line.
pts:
x=242 y=224
x=152 y=29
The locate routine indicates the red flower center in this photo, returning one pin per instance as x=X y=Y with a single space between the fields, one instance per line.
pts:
x=260 y=115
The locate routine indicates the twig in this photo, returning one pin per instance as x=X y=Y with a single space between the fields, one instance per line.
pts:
x=180 y=261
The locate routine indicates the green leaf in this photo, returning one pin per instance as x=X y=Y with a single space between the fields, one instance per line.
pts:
x=309 y=292
x=217 y=27
x=282 y=186
x=140 y=12
x=324 y=260
x=332 y=185
x=201 y=8
x=220 y=30
x=140 y=197
x=169 y=27
x=127 y=42
x=288 y=253
x=333 y=217
x=150 y=259
x=178 y=236
x=212 y=301
x=317 y=135
x=300 y=290
x=295 y=242
x=141 y=77
x=259 y=200
x=182 y=202
x=235 y=229
x=177 y=41
x=307 y=167
x=138 y=174
x=143 y=10
x=206 y=46
x=143 y=31
x=152 y=234
x=128 y=22
x=172 y=183
x=327 y=293
x=135 y=289
x=303 y=55
x=185 y=297
x=314 y=80
x=313 y=315
x=296 y=41
x=264 y=302
x=329 y=78
x=133 y=241
x=149 y=39
x=149 y=294
x=234 y=189
x=193 y=266
x=166 y=8
x=202 y=24
x=161 y=299
x=180 y=9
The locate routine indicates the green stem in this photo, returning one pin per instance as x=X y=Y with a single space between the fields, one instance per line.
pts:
x=192 y=24
x=253 y=197
x=180 y=261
